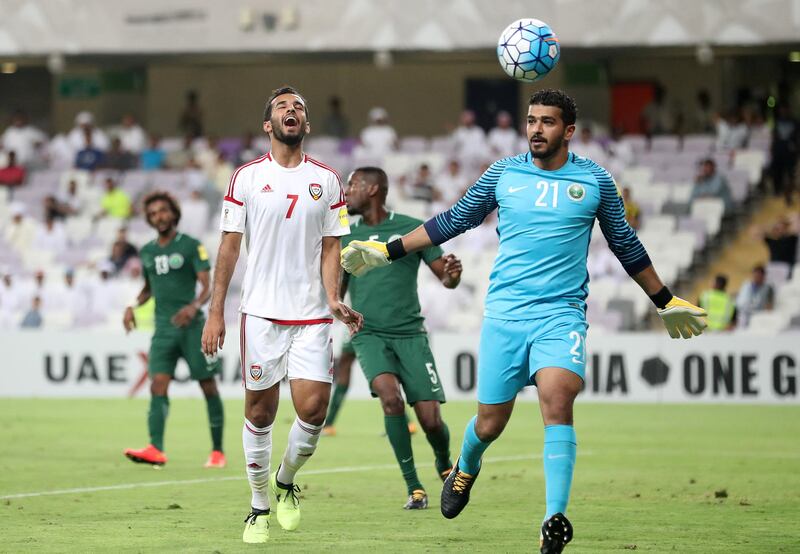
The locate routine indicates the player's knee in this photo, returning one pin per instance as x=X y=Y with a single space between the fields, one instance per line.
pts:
x=314 y=411
x=392 y=404
x=260 y=416
x=557 y=408
x=489 y=429
x=431 y=423
x=209 y=387
x=159 y=387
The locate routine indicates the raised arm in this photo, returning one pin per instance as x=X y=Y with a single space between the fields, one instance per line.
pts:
x=228 y=255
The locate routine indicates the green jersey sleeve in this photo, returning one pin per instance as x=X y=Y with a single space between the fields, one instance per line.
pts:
x=432 y=253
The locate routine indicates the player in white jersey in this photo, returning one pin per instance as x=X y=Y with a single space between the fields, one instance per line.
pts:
x=292 y=211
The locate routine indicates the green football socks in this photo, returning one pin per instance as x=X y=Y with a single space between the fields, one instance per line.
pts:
x=339 y=392
x=216 y=420
x=156 y=419
x=440 y=442
x=400 y=439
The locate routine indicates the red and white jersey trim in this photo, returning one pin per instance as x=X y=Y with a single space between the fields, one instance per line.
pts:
x=285 y=212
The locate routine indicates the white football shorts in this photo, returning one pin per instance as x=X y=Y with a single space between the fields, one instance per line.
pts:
x=270 y=351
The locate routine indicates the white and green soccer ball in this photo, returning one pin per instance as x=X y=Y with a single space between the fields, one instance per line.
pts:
x=528 y=50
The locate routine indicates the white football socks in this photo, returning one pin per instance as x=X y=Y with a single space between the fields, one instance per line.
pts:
x=257 y=443
x=303 y=439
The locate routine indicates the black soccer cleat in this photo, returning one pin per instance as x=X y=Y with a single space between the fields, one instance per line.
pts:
x=455 y=491
x=556 y=533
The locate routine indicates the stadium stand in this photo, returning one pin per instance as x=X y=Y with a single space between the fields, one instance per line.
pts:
x=679 y=232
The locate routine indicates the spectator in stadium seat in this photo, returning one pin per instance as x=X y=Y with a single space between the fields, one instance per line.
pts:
x=50 y=236
x=703 y=117
x=378 y=138
x=20 y=231
x=70 y=201
x=191 y=120
x=620 y=152
x=195 y=213
x=84 y=127
x=13 y=174
x=588 y=147
x=12 y=294
x=131 y=135
x=183 y=158
x=657 y=118
x=469 y=141
x=755 y=295
x=503 y=138
x=22 y=137
x=153 y=157
x=632 y=209
x=89 y=157
x=422 y=187
x=117 y=158
x=122 y=251
x=115 y=202
x=335 y=123
x=452 y=182
x=784 y=150
x=249 y=150
x=33 y=318
x=710 y=184
x=720 y=306
x=732 y=132
x=781 y=240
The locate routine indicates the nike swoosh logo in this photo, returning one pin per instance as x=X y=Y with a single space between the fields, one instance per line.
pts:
x=437 y=389
x=555 y=457
x=513 y=190
x=406 y=460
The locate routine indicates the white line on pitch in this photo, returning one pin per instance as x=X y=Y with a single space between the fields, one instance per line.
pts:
x=351 y=469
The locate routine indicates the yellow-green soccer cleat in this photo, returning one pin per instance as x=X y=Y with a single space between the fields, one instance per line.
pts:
x=256 y=527
x=287 y=503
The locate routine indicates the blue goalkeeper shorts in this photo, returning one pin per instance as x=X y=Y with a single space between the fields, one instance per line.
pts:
x=511 y=352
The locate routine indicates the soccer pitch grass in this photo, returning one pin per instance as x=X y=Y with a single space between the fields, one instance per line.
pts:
x=657 y=478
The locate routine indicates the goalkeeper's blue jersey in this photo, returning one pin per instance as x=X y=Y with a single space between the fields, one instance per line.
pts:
x=545 y=222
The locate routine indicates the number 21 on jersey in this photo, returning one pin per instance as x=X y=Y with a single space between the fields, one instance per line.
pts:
x=545 y=200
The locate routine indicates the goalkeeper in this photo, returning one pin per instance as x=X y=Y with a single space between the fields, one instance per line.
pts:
x=534 y=327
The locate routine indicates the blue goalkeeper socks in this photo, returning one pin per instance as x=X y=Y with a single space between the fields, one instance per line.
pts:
x=560 y=448
x=471 y=450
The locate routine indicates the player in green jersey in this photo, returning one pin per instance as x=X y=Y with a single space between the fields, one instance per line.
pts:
x=172 y=266
x=392 y=347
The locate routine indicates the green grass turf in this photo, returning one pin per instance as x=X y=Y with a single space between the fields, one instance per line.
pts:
x=647 y=477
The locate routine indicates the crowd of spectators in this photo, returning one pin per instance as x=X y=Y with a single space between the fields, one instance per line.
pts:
x=109 y=152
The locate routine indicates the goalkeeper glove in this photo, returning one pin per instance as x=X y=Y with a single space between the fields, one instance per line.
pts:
x=682 y=318
x=362 y=256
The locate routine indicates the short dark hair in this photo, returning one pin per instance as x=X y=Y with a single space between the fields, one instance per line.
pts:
x=721 y=281
x=286 y=89
x=559 y=99
x=157 y=195
x=760 y=268
x=375 y=175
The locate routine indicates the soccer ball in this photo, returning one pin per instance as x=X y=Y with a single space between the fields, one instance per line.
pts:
x=528 y=49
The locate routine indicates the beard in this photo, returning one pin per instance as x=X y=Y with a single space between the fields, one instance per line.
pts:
x=552 y=147
x=288 y=140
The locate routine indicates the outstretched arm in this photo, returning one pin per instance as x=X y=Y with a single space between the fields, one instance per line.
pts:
x=214 y=331
x=359 y=257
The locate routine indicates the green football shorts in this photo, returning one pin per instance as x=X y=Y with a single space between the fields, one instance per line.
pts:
x=168 y=345
x=408 y=358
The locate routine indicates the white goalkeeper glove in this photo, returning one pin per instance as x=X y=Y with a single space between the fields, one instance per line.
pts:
x=362 y=256
x=682 y=318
